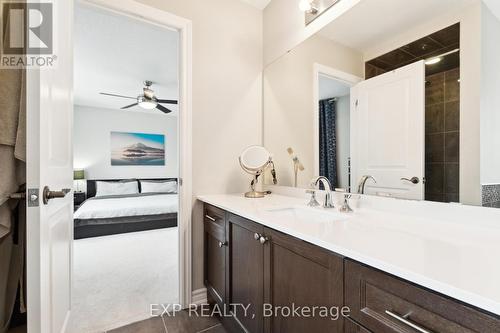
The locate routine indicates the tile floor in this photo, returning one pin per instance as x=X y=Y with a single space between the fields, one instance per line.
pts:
x=180 y=323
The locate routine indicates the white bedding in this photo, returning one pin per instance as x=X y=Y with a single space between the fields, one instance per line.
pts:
x=128 y=206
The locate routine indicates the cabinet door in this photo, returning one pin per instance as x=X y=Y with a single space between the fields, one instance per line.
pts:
x=302 y=275
x=246 y=261
x=352 y=327
x=215 y=253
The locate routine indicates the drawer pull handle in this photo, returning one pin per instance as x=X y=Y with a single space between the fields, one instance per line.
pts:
x=407 y=322
x=210 y=218
x=221 y=244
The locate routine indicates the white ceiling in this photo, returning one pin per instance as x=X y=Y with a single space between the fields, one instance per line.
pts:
x=329 y=88
x=260 y=4
x=376 y=19
x=115 y=54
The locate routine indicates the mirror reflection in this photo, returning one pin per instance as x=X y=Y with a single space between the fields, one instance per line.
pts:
x=404 y=110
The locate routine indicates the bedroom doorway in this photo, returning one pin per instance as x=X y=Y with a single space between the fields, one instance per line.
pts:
x=127 y=146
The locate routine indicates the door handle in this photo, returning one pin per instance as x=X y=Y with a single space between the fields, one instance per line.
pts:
x=413 y=180
x=48 y=194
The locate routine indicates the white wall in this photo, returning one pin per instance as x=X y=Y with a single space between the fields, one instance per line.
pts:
x=490 y=98
x=288 y=102
x=92 y=128
x=227 y=90
x=284 y=25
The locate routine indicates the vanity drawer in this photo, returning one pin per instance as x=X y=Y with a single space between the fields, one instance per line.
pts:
x=380 y=301
x=214 y=219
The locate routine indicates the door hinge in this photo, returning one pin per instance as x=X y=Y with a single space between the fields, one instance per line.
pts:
x=180 y=182
x=357 y=103
x=33 y=197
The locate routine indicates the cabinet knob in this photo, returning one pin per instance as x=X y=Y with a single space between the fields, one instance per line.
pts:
x=256 y=236
x=221 y=244
x=263 y=239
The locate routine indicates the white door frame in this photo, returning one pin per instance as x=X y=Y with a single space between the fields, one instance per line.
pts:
x=184 y=26
x=349 y=79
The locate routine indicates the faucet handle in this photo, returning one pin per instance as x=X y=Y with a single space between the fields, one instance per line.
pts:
x=313 y=202
x=345 y=207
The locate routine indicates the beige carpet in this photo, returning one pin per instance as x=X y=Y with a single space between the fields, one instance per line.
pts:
x=116 y=278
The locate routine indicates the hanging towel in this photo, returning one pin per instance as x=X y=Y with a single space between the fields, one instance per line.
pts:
x=12 y=177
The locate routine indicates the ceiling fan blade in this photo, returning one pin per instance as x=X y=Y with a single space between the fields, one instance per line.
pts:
x=129 y=106
x=167 y=101
x=114 y=95
x=163 y=109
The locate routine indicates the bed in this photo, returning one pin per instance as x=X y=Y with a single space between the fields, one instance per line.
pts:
x=104 y=215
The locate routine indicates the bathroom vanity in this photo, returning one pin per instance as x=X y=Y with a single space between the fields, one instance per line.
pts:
x=390 y=270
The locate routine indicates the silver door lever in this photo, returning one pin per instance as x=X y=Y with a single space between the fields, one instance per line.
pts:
x=48 y=194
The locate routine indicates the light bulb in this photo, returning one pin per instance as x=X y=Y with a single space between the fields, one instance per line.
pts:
x=148 y=105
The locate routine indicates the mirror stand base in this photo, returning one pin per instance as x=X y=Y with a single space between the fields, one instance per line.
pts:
x=255 y=194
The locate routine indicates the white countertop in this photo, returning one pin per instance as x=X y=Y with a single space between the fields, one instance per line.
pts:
x=460 y=260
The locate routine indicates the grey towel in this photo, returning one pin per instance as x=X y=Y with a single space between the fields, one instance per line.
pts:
x=12 y=176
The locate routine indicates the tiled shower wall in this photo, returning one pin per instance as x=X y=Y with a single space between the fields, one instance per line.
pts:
x=491 y=195
x=442 y=136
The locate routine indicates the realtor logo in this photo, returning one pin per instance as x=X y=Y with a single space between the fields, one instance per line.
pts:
x=27 y=34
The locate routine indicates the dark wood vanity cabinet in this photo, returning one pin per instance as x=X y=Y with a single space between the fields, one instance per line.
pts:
x=215 y=253
x=263 y=266
x=384 y=303
x=247 y=263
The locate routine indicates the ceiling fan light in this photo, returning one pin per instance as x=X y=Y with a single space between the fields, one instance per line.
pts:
x=148 y=105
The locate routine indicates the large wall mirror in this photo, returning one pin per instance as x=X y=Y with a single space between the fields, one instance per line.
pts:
x=413 y=102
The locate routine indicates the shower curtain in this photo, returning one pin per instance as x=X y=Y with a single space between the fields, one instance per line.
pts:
x=12 y=178
x=328 y=140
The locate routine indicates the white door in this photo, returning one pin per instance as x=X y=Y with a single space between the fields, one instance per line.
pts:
x=50 y=163
x=388 y=132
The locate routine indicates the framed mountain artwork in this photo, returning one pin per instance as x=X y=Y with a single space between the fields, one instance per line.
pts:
x=138 y=149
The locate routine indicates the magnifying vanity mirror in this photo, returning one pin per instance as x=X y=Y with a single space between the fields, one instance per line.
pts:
x=403 y=109
x=255 y=160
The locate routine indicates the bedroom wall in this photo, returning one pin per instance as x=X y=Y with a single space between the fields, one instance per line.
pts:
x=227 y=91
x=92 y=128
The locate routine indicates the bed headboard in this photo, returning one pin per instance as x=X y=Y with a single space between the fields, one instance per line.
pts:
x=91 y=184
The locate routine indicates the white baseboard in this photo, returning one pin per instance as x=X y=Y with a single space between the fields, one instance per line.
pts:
x=199 y=296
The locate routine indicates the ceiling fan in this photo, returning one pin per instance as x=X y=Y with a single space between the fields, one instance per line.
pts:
x=147 y=100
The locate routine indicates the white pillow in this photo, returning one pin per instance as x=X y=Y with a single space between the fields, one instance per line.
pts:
x=116 y=188
x=167 y=186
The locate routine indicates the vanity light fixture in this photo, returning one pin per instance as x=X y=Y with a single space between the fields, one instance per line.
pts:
x=439 y=58
x=307 y=6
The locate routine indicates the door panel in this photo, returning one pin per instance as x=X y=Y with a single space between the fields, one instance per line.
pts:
x=247 y=271
x=388 y=131
x=50 y=163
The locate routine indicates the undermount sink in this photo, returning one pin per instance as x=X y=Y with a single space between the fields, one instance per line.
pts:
x=308 y=214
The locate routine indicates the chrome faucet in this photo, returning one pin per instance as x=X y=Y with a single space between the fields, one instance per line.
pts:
x=362 y=183
x=328 y=203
